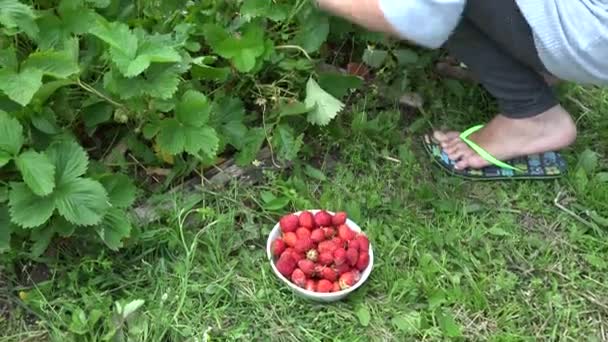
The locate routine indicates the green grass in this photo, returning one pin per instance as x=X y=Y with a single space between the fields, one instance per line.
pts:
x=454 y=259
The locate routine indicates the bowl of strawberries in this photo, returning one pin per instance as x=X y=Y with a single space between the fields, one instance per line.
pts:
x=320 y=255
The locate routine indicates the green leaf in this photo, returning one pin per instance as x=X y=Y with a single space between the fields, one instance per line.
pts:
x=588 y=161
x=62 y=227
x=97 y=114
x=121 y=190
x=408 y=323
x=234 y=132
x=114 y=228
x=81 y=201
x=11 y=135
x=46 y=121
x=193 y=109
x=203 y=139
x=324 y=106
x=498 y=232
x=242 y=50
x=277 y=203
x=338 y=84
x=313 y=32
x=251 y=146
x=596 y=261
x=15 y=15
x=59 y=64
x=37 y=171
x=20 y=87
x=154 y=49
x=288 y=144
x=406 y=57
x=27 y=209
x=4 y=158
x=70 y=160
x=169 y=137
x=122 y=40
x=374 y=58
x=293 y=108
x=448 y=325
x=315 y=173
x=363 y=315
x=8 y=58
x=42 y=239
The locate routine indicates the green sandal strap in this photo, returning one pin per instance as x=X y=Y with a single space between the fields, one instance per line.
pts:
x=464 y=136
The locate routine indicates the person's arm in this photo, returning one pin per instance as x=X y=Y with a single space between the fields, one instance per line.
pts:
x=366 y=13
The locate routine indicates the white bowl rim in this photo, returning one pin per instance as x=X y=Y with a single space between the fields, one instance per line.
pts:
x=317 y=295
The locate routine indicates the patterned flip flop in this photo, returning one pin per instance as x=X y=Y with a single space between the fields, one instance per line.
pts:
x=549 y=165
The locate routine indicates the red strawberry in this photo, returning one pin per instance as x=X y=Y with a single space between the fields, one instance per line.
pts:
x=341 y=269
x=289 y=223
x=319 y=269
x=363 y=261
x=329 y=274
x=312 y=255
x=307 y=266
x=336 y=287
x=363 y=243
x=326 y=258
x=322 y=219
x=353 y=244
x=325 y=286
x=311 y=285
x=348 y=279
x=306 y=220
x=327 y=246
x=339 y=219
x=346 y=233
x=352 y=256
x=278 y=247
x=290 y=239
x=339 y=256
x=302 y=232
x=303 y=245
x=286 y=264
x=317 y=235
x=329 y=232
x=298 y=277
x=298 y=256
x=338 y=241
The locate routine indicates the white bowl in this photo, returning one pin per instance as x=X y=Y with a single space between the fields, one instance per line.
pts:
x=321 y=297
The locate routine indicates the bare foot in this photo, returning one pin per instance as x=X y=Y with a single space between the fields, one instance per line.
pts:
x=507 y=138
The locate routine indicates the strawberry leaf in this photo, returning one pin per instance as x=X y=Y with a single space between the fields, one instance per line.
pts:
x=313 y=31
x=81 y=201
x=11 y=136
x=121 y=190
x=17 y=16
x=251 y=146
x=59 y=64
x=37 y=171
x=170 y=138
x=243 y=50
x=193 y=109
x=70 y=160
x=324 y=106
x=27 y=209
x=20 y=87
x=6 y=228
x=42 y=239
x=114 y=227
x=288 y=144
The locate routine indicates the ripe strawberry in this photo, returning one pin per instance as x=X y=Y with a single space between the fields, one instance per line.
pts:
x=298 y=277
x=339 y=219
x=298 y=256
x=307 y=266
x=336 y=287
x=290 y=239
x=312 y=255
x=303 y=245
x=353 y=244
x=326 y=258
x=319 y=269
x=322 y=219
x=348 y=279
x=289 y=223
x=352 y=256
x=311 y=285
x=278 y=247
x=363 y=261
x=339 y=256
x=289 y=250
x=363 y=243
x=345 y=233
x=329 y=232
x=317 y=235
x=338 y=241
x=341 y=269
x=329 y=274
x=286 y=264
x=306 y=220
x=324 y=286
x=327 y=246
x=302 y=232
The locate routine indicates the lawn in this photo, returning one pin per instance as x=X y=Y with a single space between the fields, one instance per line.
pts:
x=454 y=259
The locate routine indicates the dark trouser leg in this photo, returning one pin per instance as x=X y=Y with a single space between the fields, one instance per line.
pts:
x=495 y=42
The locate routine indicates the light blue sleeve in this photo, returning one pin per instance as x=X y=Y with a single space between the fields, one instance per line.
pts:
x=428 y=23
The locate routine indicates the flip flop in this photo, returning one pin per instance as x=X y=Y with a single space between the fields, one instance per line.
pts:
x=548 y=165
